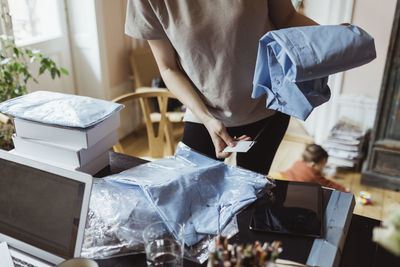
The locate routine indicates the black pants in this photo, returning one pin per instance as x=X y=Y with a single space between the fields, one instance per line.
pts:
x=259 y=157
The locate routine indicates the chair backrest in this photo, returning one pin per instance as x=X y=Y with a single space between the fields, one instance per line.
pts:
x=157 y=138
x=144 y=67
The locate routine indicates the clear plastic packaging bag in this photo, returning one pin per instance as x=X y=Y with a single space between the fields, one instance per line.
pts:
x=60 y=109
x=117 y=216
x=203 y=194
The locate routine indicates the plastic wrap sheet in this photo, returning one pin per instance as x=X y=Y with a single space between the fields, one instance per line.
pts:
x=118 y=214
x=60 y=109
x=203 y=194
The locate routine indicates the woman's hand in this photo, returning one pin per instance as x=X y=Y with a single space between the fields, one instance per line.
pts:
x=220 y=137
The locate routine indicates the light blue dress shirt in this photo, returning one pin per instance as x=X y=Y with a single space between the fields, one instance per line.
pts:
x=191 y=189
x=293 y=64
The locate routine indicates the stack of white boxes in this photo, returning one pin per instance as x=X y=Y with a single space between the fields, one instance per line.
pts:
x=84 y=150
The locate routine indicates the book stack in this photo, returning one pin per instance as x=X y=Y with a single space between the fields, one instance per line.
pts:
x=80 y=149
x=345 y=145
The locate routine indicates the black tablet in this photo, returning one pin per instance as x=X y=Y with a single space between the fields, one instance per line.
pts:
x=290 y=208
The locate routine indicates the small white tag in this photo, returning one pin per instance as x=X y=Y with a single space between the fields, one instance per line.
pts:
x=240 y=146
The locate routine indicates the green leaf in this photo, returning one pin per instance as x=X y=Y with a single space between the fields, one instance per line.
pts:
x=64 y=71
x=27 y=77
x=42 y=69
x=44 y=62
x=7 y=75
x=23 y=89
x=53 y=73
x=15 y=64
x=16 y=51
x=18 y=67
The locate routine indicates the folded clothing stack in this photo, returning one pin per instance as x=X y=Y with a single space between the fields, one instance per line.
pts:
x=293 y=64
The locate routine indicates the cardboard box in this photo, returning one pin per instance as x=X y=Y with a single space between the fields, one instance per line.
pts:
x=50 y=152
x=96 y=164
x=74 y=138
x=91 y=168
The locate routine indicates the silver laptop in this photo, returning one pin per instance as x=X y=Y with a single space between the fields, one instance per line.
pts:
x=43 y=210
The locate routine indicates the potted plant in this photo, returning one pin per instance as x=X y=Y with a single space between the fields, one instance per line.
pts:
x=15 y=74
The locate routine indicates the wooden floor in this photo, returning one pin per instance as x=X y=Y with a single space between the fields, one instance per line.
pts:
x=289 y=151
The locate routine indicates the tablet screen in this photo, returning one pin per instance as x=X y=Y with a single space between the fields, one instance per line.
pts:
x=291 y=208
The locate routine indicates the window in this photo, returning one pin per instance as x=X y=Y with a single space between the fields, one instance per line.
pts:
x=34 y=20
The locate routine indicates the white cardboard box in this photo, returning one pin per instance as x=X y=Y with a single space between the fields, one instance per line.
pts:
x=70 y=137
x=92 y=168
x=50 y=152
x=96 y=164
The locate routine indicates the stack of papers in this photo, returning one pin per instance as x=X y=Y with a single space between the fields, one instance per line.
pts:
x=345 y=144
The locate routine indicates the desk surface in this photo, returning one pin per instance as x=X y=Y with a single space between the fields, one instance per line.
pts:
x=359 y=250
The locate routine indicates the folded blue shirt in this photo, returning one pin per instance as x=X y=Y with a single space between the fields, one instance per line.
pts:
x=192 y=189
x=293 y=64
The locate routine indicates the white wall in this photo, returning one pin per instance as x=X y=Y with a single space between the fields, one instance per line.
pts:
x=101 y=54
x=377 y=19
x=115 y=49
x=354 y=93
x=361 y=86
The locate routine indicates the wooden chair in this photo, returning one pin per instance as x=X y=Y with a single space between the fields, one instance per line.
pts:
x=145 y=69
x=163 y=135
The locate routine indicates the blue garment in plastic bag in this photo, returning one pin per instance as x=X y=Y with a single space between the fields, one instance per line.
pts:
x=192 y=189
x=60 y=109
x=293 y=64
x=118 y=214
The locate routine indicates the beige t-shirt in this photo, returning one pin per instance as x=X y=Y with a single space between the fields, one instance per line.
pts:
x=216 y=43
